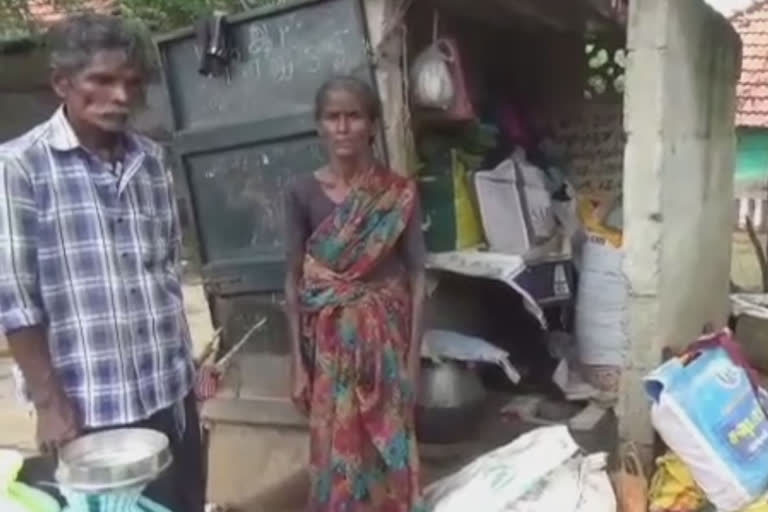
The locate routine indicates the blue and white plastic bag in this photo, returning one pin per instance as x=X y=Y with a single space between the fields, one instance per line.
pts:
x=706 y=409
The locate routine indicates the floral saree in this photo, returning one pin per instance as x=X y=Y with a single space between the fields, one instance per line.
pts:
x=363 y=455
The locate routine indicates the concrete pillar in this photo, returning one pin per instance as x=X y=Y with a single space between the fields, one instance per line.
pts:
x=683 y=64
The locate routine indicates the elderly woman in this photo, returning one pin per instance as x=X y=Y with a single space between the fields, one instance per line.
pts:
x=354 y=288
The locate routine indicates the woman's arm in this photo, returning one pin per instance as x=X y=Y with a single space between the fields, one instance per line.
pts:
x=415 y=258
x=299 y=378
x=418 y=295
x=292 y=278
x=295 y=238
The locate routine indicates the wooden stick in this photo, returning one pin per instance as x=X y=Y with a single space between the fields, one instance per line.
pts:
x=222 y=363
x=210 y=348
x=759 y=252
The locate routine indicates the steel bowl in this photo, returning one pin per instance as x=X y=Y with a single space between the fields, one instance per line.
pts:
x=450 y=403
x=449 y=385
x=113 y=460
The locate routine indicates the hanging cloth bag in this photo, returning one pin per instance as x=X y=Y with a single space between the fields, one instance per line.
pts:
x=438 y=80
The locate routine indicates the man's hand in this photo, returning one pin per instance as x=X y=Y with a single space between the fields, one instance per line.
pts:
x=57 y=423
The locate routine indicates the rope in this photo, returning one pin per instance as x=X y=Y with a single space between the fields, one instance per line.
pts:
x=435 y=25
x=395 y=23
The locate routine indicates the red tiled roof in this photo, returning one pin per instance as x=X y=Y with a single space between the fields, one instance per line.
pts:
x=48 y=12
x=22 y=20
x=752 y=91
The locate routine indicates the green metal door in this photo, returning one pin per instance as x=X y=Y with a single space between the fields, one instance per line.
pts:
x=241 y=138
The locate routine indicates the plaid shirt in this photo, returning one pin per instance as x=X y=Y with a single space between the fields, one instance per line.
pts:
x=91 y=252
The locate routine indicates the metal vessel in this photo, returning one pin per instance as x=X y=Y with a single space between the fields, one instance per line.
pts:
x=450 y=402
x=112 y=460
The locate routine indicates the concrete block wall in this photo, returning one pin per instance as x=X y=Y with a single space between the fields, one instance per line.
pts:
x=683 y=64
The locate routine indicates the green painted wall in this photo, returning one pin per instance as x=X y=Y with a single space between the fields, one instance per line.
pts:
x=752 y=155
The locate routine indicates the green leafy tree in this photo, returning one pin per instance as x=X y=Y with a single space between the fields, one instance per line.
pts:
x=158 y=15
x=169 y=14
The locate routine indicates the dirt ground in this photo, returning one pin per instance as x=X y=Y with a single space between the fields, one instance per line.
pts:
x=17 y=422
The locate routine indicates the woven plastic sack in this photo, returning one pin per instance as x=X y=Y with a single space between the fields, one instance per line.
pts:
x=706 y=408
x=601 y=306
x=579 y=485
x=760 y=505
x=496 y=480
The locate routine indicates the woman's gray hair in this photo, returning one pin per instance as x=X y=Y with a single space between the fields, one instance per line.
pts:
x=74 y=41
x=365 y=93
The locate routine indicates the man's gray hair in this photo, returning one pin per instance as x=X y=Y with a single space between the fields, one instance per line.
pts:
x=74 y=41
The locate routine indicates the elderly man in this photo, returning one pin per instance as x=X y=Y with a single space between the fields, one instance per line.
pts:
x=90 y=294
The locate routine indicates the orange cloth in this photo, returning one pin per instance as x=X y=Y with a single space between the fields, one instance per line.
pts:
x=589 y=213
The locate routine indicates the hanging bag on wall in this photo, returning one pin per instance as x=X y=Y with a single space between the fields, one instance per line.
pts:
x=438 y=80
x=461 y=109
x=515 y=205
x=431 y=78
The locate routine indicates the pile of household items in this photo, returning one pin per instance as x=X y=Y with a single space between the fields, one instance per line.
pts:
x=500 y=200
x=707 y=406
